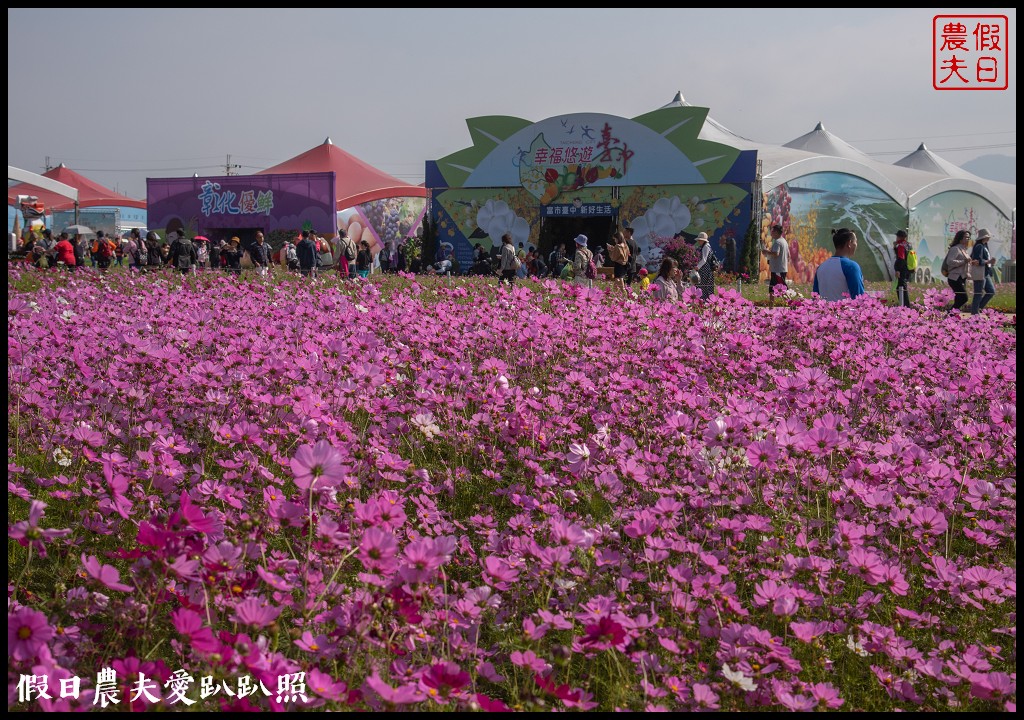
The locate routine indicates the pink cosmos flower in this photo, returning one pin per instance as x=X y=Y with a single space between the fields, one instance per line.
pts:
x=704 y=697
x=500 y=572
x=491 y=705
x=401 y=695
x=324 y=685
x=27 y=632
x=256 y=611
x=107 y=575
x=826 y=695
x=993 y=686
x=28 y=531
x=377 y=549
x=441 y=679
x=865 y=564
x=318 y=465
x=529 y=659
x=603 y=634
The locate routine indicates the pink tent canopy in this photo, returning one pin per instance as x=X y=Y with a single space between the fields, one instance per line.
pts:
x=357 y=182
x=90 y=194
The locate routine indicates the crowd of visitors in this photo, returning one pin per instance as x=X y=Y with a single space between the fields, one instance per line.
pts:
x=838 y=278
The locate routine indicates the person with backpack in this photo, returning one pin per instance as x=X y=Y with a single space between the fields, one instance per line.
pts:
x=183 y=253
x=346 y=255
x=618 y=253
x=706 y=266
x=104 y=251
x=902 y=251
x=633 y=266
x=583 y=267
x=289 y=256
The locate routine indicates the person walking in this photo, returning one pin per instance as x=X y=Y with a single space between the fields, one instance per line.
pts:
x=346 y=255
x=232 y=256
x=633 y=266
x=958 y=264
x=306 y=252
x=364 y=260
x=902 y=250
x=840 y=276
x=581 y=261
x=183 y=254
x=260 y=254
x=778 y=260
x=705 y=266
x=104 y=250
x=618 y=252
x=982 y=273
x=509 y=262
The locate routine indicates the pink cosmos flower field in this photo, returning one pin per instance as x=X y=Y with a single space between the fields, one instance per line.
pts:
x=404 y=493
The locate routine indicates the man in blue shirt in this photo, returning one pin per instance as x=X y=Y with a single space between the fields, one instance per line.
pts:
x=840 y=277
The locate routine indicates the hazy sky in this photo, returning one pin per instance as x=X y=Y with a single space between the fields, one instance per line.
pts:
x=121 y=95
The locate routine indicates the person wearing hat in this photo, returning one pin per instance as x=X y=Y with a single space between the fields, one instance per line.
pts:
x=232 y=256
x=581 y=261
x=982 y=273
x=705 y=267
x=902 y=250
x=644 y=279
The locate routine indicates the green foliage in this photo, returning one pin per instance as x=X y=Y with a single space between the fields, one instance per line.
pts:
x=751 y=260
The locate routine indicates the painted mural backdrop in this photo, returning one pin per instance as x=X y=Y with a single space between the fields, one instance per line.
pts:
x=934 y=222
x=810 y=207
x=467 y=216
x=667 y=215
x=385 y=223
x=651 y=171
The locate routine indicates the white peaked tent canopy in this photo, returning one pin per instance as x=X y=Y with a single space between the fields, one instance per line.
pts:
x=909 y=181
x=713 y=130
x=925 y=159
x=821 y=141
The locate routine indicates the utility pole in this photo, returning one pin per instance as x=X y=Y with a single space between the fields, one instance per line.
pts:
x=229 y=168
x=48 y=166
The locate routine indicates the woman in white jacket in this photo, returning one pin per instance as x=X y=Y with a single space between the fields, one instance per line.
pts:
x=958 y=263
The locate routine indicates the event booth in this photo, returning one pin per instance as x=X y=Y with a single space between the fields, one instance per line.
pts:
x=675 y=172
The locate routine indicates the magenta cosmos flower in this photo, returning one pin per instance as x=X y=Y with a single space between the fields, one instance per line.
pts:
x=318 y=465
x=27 y=631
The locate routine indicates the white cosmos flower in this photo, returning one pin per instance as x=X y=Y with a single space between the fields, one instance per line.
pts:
x=61 y=456
x=739 y=679
x=856 y=646
x=424 y=422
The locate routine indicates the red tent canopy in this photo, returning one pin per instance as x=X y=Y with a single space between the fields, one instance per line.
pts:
x=356 y=182
x=90 y=194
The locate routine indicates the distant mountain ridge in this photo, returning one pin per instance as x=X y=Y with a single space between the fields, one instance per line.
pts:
x=1001 y=168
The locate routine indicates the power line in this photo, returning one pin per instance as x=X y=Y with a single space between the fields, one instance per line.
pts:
x=948 y=149
x=918 y=137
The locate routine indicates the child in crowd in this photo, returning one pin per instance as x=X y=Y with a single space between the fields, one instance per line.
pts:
x=645 y=280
